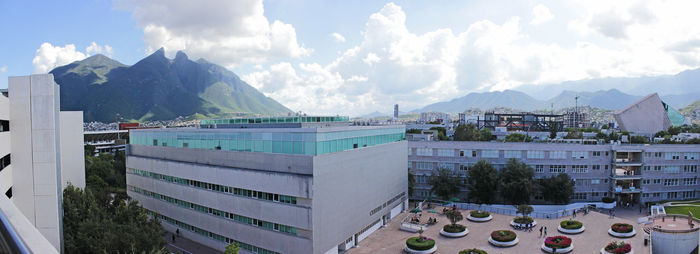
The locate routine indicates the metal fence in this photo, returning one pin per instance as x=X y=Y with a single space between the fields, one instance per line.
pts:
x=512 y=211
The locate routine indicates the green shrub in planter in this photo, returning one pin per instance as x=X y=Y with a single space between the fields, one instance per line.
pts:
x=622 y=228
x=456 y=228
x=523 y=220
x=420 y=243
x=503 y=235
x=571 y=224
x=479 y=214
x=473 y=251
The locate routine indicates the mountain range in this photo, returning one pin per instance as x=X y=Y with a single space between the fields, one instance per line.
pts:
x=157 y=88
x=591 y=92
x=612 y=99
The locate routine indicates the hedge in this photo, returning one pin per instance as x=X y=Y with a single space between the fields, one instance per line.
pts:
x=420 y=243
x=503 y=235
x=473 y=251
x=479 y=214
x=523 y=220
x=456 y=228
x=571 y=224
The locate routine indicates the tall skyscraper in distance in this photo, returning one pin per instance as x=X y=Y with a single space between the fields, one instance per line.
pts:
x=396 y=111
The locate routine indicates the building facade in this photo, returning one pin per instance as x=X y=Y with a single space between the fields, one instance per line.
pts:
x=274 y=185
x=41 y=150
x=629 y=173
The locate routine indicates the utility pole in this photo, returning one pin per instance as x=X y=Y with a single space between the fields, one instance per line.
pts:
x=576 y=112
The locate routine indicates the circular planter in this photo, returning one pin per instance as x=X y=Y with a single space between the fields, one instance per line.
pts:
x=485 y=219
x=504 y=244
x=571 y=231
x=513 y=223
x=412 y=251
x=454 y=235
x=602 y=251
x=564 y=250
x=622 y=235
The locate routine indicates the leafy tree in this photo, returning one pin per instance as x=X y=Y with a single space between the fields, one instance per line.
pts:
x=524 y=209
x=674 y=130
x=121 y=227
x=485 y=135
x=639 y=140
x=482 y=182
x=442 y=132
x=232 y=248
x=445 y=183
x=613 y=136
x=553 y=128
x=605 y=126
x=557 y=189
x=414 y=131
x=574 y=135
x=518 y=137
x=89 y=150
x=517 y=182
x=600 y=135
x=467 y=132
x=454 y=216
x=661 y=134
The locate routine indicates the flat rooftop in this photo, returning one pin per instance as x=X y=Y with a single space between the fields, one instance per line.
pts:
x=277 y=119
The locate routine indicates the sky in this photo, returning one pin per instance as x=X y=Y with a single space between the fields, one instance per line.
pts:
x=357 y=57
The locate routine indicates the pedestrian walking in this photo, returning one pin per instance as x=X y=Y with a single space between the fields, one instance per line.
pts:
x=177 y=231
x=574 y=213
x=545 y=231
x=541 y=231
x=173 y=237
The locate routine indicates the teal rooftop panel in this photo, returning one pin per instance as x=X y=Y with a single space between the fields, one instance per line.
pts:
x=294 y=141
x=277 y=119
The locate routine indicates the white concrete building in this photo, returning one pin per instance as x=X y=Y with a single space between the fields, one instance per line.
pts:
x=41 y=150
x=297 y=184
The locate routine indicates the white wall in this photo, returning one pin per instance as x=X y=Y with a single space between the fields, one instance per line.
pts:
x=5 y=146
x=35 y=128
x=72 y=152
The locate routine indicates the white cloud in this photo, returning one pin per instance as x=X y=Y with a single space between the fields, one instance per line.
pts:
x=3 y=69
x=541 y=14
x=93 y=49
x=225 y=32
x=49 y=56
x=338 y=37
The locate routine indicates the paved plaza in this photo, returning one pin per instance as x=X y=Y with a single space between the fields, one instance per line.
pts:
x=392 y=240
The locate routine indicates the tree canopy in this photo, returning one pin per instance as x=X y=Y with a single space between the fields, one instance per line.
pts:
x=121 y=226
x=469 y=132
x=557 y=189
x=482 y=182
x=445 y=183
x=454 y=216
x=518 y=137
x=517 y=182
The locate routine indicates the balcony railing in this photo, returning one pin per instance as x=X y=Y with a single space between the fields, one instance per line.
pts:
x=17 y=234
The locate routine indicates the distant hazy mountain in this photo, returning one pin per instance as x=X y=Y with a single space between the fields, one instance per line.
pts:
x=157 y=88
x=486 y=100
x=692 y=111
x=612 y=99
x=683 y=83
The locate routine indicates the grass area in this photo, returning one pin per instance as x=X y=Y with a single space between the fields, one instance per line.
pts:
x=683 y=210
x=690 y=203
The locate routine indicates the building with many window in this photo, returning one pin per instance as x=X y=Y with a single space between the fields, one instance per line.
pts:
x=629 y=173
x=41 y=152
x=294 y=184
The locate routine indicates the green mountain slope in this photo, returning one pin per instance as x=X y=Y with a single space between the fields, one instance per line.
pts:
x=157 y=88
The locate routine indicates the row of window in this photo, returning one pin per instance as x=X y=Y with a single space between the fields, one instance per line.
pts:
x=5 y=161
x=231 y=216
x=401 y=196
x=673 y=168
x=218 y=188
x=671 y=195
x=214 y=236
x=540 y=154
x=423 y=165
x=672 y=182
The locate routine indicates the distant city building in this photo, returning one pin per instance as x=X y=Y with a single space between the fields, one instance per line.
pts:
x=573 y=119
x=628 y=173
x=41 y=152
x=426 y=117
x=297 y=184
x=522 y=121
x=648 y=116
x=396 y=111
